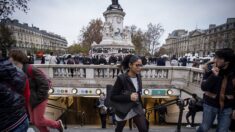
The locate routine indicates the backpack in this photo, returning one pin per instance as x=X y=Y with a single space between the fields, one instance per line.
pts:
x=29 y=72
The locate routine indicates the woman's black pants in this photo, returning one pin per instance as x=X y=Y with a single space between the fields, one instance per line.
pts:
x=139 y=120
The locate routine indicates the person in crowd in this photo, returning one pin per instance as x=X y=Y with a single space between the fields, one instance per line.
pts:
x=126 y=95
x=174 y=61
x=76 y=59
x=144 y=60
x=196 y=63
x=184 y=61
x=155 y=111
x=112 y=61
x=218 y=90
x=13 y=115
x=162 y=111
x=71 y=62
x=43 y=60
x=161 y=61
x=95 y=60
x=57 y=59
x=39 y=86
x=52 y=59
x=30 y=58
x=86 y=60
x=102 y=105
x=102 y=61
x=119 y=61
x=192 y=110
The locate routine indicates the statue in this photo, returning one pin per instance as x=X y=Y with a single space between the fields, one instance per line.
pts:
x=115 y=5
x=115 y=2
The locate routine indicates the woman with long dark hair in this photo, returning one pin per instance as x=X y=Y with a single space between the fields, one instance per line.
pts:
x=126 y=95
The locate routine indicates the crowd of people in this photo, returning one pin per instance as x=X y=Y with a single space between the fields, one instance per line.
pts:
x=24 y=92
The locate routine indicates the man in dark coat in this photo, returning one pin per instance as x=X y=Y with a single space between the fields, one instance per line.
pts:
x=13 y=115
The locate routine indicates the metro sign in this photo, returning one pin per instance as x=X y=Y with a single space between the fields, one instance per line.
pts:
x=65 y=91
x=159 y=92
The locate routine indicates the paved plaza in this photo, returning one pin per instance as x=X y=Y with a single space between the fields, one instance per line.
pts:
x=167 y=128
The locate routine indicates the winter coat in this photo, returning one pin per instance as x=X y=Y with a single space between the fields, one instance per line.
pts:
x=121 y=93
x=12 y=101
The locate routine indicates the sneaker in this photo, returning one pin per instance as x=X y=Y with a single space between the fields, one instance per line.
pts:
x=61 y=129
x=188 y=126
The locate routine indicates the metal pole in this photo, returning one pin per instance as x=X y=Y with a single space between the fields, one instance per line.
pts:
x=65 y=114
x=181 y=105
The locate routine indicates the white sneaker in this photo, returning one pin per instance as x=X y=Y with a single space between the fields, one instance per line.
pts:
x=61 y=129
x=188 y=126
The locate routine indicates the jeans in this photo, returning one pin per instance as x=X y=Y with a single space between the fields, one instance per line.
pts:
x=39 y=120
x=23 y=127
x=209 y=114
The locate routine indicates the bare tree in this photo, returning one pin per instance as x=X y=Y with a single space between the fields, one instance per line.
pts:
x=92 y=33
x=138 y=39
x=8 y=7
x=161 y=52
x=152 y=36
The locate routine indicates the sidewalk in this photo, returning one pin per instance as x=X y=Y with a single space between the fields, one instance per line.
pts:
x=166 y=128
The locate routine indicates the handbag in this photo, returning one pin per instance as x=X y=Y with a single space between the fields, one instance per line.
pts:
x=122 y=107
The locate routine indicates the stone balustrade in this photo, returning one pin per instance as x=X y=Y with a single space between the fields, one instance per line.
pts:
x=188 y=75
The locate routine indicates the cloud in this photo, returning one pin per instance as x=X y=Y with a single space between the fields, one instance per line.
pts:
x=67 y=17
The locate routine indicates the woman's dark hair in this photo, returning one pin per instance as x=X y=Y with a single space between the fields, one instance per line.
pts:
x=129 y=59
x=227 y=54
x=19 y=55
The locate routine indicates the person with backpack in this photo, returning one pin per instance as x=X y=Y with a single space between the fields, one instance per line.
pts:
x=13 y=113
x=218 y=87
x=39 y=86
x=126 y=95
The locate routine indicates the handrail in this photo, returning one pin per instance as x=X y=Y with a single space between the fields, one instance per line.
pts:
x=164 y=104
x=55 y=107
x=55 y=99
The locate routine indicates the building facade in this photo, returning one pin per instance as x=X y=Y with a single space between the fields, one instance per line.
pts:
x=32 y=39
x=201 y=42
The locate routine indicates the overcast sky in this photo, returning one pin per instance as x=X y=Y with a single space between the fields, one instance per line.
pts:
x=67 y=17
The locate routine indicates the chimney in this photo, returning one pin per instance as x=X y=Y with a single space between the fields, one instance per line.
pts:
x=212 y=26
